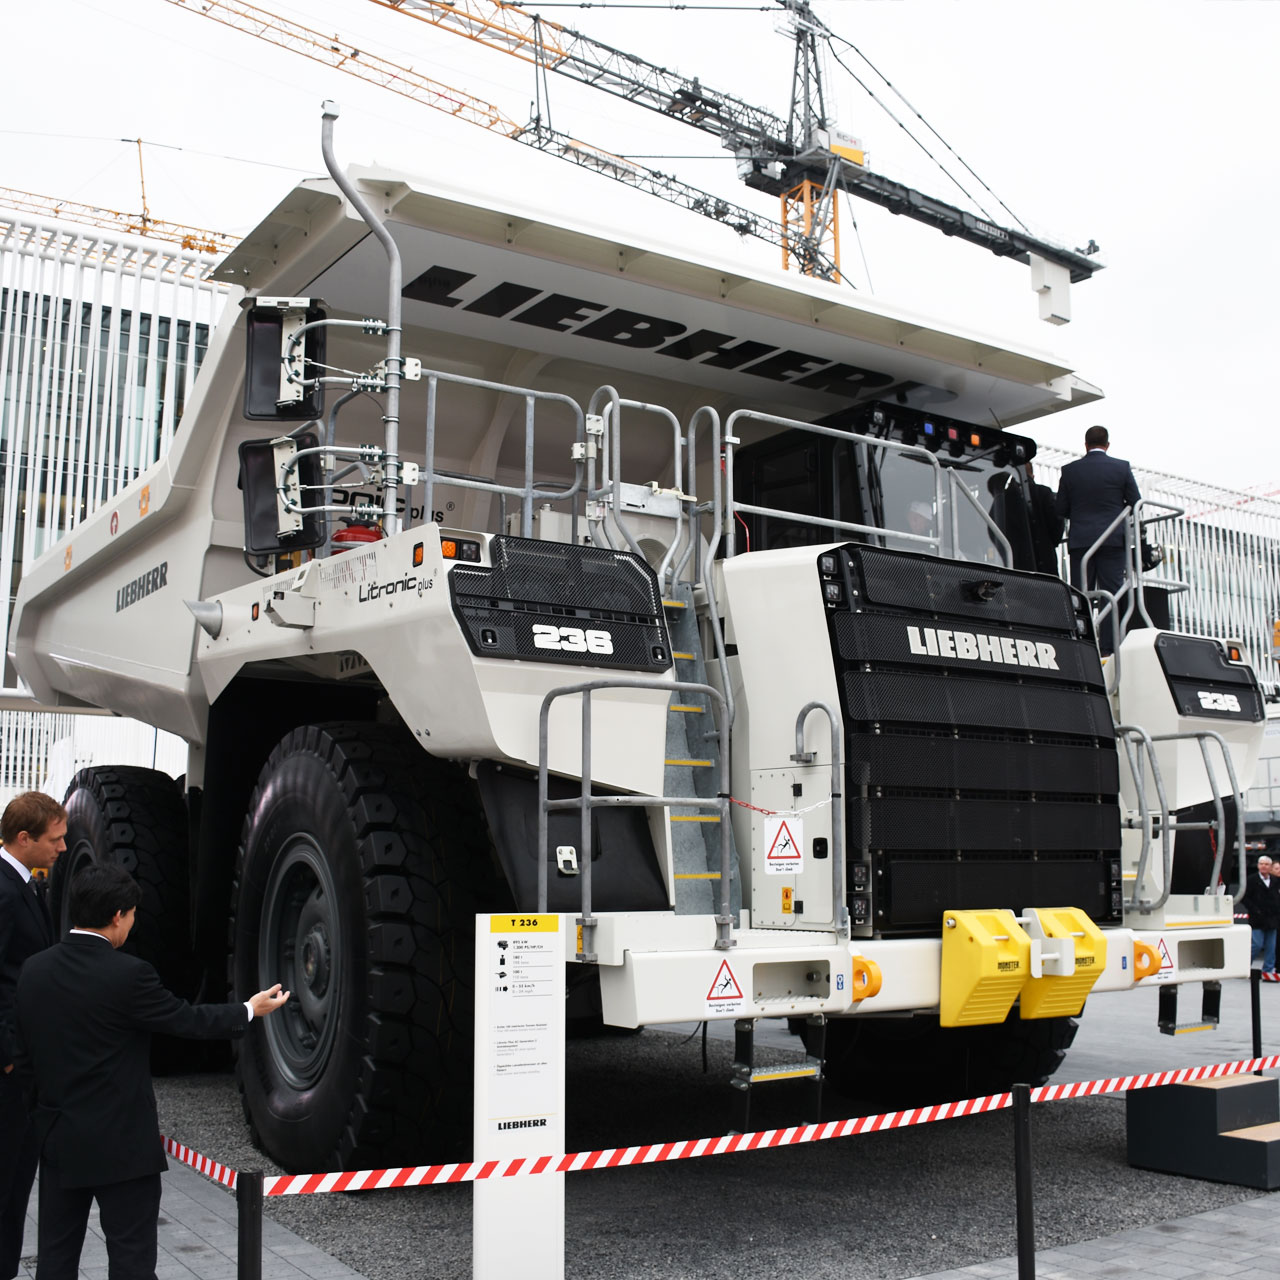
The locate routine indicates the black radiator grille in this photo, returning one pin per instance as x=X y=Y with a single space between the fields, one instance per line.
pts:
x=556 y=602
x=982 y=766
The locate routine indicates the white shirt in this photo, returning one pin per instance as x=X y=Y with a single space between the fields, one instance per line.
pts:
x=16 y=865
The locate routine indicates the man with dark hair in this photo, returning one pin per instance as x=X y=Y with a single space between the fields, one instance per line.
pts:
x=1092 y=492
x=86 y=1013
x=32 y=828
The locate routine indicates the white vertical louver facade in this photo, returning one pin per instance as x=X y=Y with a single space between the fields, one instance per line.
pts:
x=101 y=337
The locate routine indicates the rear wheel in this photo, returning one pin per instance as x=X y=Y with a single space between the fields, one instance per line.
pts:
x=137 y=819
x=914 y=1061
x=362 y=865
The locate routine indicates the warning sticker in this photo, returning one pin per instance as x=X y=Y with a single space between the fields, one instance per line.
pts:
x=724 y=995
x=1165 y=972
x=784 y=846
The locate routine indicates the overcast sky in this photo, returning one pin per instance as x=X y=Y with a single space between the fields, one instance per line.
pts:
x=1146 y=126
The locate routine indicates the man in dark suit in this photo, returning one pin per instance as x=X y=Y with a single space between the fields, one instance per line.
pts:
x=1261 y=900
x=86 y=1013
x=31 y=837
x=1092 y=492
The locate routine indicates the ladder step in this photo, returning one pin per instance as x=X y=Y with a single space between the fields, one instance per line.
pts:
x=762 y=1075
x=695 y=817
x=688 y=657
x=697 y=875
x=695 y=764
x=678 y=707
x=674 y=604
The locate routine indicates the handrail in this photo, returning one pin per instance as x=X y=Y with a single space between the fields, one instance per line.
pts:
x=946 y=547
x=1126 y=732
x=1171 y=512
x=839 y=901
x=611 y=471
x=528 y=492
x=1220 y=825
x=586 y=802
x=731 y=508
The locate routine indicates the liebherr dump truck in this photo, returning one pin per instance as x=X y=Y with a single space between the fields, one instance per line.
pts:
x=500 y=563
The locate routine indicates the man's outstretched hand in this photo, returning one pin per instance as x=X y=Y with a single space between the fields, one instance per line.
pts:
x=268 y=1001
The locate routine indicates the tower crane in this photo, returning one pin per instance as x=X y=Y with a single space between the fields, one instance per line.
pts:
x=213 y=242
x=803 y=160
x=347 y=56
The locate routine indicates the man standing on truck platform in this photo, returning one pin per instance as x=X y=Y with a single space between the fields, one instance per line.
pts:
x=31 y=838
x=86 y=1012
x=1094 y=490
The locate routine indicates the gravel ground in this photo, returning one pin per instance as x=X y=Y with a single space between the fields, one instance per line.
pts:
x=885 y=1205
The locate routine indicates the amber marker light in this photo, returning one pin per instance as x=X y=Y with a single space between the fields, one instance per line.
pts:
x=417 y=555
x=448 y=548
x=975 y=439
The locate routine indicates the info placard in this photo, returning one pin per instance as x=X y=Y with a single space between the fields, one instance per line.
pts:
x=519 y=1093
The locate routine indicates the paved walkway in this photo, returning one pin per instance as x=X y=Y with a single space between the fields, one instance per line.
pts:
x=198 y=1242
x=1241 y=1242
x=198 y=1239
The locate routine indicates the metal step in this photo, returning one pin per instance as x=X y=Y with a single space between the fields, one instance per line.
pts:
x=691 y=769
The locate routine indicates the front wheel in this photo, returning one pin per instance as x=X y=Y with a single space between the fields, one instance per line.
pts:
x=362 y=865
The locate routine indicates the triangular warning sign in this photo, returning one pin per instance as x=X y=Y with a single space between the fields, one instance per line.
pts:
x=784 y=847
x=725 y=985
x=1166 y=960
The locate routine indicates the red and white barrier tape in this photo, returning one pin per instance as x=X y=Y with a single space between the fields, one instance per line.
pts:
x=201 y=1164
x=302 y=1184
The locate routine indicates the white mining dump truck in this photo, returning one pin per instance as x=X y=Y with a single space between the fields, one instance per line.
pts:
x=846 y=757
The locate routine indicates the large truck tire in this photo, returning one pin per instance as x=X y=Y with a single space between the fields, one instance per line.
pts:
x=137 y=819
x=911 y=1062
x=362 y=865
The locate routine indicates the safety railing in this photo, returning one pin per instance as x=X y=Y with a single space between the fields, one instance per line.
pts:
x=1119 y=607
x=1150 y=822
x=945 y=491
x=1128 y=735
x=587 y=801
x=1219 y=825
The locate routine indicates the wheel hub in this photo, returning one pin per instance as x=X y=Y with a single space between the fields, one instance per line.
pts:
x=315 y=959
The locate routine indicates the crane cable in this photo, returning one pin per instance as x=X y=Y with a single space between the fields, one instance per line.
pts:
x=915 y=111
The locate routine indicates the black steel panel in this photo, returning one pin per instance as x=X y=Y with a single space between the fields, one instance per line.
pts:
x=986 y=825
x=930 y=642
x=1195 y=658
x=982 y=763
x=556 y=602
x=920 y=890
x=935 y=699
x=925 y=584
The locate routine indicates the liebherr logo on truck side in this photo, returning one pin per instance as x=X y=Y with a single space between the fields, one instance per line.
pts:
x=142 y=586
x=444 y=286
x=973 y=646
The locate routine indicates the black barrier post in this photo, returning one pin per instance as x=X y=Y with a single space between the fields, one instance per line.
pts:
x=1022 y=1181
x=1255 y=981
x=248 y=1226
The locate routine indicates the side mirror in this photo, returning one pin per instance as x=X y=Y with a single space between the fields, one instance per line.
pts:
x=274 y=365
x=269 y=529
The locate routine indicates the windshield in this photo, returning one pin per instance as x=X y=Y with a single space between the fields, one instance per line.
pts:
x=905 y=497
